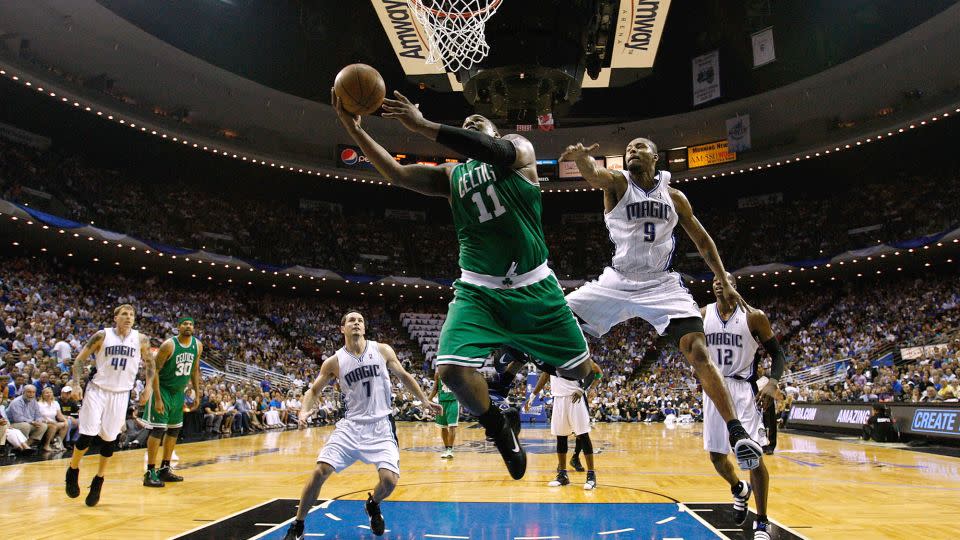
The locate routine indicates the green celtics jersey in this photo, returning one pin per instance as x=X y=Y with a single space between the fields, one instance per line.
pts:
x=444 y=394
x=176 y=371
x=497 y=216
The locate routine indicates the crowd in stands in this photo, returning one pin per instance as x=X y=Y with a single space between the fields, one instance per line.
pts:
x=360 y=240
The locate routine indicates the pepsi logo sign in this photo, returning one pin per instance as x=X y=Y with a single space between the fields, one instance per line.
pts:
x=349 y=156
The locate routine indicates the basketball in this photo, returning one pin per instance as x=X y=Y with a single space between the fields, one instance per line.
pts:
x=360 y=88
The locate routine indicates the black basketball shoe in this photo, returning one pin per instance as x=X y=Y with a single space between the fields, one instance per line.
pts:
x=377 y=525
x=295 y=532
x=575 y=463
x=561 y=480
x=741 y=500
x=73 y=484
x=508 y=443
x=94 y=496
x=166 y=474
x=152 y=479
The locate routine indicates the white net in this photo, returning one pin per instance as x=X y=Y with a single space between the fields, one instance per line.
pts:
x=455 y=30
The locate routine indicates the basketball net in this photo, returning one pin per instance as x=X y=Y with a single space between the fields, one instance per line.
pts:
x=455 y=30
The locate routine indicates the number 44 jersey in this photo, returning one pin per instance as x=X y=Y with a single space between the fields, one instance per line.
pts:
x=118 y=361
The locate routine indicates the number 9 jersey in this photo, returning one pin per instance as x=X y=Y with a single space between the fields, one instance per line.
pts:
x=118 y=361
x=641 y=228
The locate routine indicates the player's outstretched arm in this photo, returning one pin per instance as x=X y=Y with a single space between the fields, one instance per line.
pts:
x=425 y=179
x=152 y=372
x=542 y=381
x=705 y=245
x=79 y=364
x=329 y=371
x=759 y=325
x=597 y=177
x=395 y=367
x=195 y=376
x=436 y=385
x=511 y=151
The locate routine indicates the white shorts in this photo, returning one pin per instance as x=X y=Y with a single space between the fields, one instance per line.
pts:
x=369 y=442
x=103 y=412
x=613 y=298
x=569 y=417
x=715 y=435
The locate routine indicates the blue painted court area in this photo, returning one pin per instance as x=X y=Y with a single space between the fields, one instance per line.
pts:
x=429 y=520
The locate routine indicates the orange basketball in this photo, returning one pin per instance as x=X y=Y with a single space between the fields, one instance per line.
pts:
x=360 y=88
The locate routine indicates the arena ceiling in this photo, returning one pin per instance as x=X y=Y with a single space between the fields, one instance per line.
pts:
x=297 y=46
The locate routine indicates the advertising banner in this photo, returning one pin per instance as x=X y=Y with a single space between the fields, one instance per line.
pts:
x=738 y=133
x=639 y=28
x=921 y=419
x=763 y=51
x=703 y=155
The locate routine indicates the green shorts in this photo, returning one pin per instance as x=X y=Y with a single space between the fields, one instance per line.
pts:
x=172 y=415
x=534 y=319
x=450 y=415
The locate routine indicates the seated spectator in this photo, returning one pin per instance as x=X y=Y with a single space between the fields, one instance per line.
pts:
x=56 y=423
x=24 y=414
x=71 y=412
x=12 y=438
x=135 y=432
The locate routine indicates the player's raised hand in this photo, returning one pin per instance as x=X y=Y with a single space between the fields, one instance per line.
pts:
x=349 y=121
x=577 y=151
x=731 y=296
x=403 y=110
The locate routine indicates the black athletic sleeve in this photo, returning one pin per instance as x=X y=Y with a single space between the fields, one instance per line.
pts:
x=479 y=146
x=776 y=353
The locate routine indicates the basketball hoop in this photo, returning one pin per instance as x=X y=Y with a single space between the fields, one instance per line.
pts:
x=455 y=30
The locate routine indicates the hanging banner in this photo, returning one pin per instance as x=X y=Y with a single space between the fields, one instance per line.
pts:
x=406 y=36
x=709 y=154
x=738 y=133
x=639 y=28
x=706 y=77
x=763 y=52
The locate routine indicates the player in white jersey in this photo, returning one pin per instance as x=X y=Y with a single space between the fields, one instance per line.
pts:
x=641 y=211
x=366 y=432
x=118 y=352
x=570 y=415
x=734 y=333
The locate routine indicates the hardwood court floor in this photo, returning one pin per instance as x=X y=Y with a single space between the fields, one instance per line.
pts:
x=819 y=488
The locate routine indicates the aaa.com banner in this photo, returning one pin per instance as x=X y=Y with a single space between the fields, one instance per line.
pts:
x=920 y=419
x=709 y=154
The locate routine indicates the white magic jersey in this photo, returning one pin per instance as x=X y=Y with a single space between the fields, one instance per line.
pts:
x=731 y=344
x=641 y=227
x=564 y=387
x=365 y=384
x=118 y=361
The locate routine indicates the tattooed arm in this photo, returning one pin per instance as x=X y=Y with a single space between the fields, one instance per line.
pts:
x=79 y=364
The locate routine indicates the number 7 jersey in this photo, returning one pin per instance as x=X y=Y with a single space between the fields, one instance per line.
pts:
x=364 y=384
x=496 y=212
x=641 y=227
x=118 y=361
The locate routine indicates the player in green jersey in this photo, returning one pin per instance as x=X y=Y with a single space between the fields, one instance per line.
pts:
x=449 y=417
x=177 y=364
x=506 y=294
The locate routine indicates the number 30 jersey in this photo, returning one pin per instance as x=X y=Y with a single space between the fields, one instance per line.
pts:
x=364 y=384
x=176 y=371
x=118 y=361
x=496 y=212
x=731 y=344
x=641 y=228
